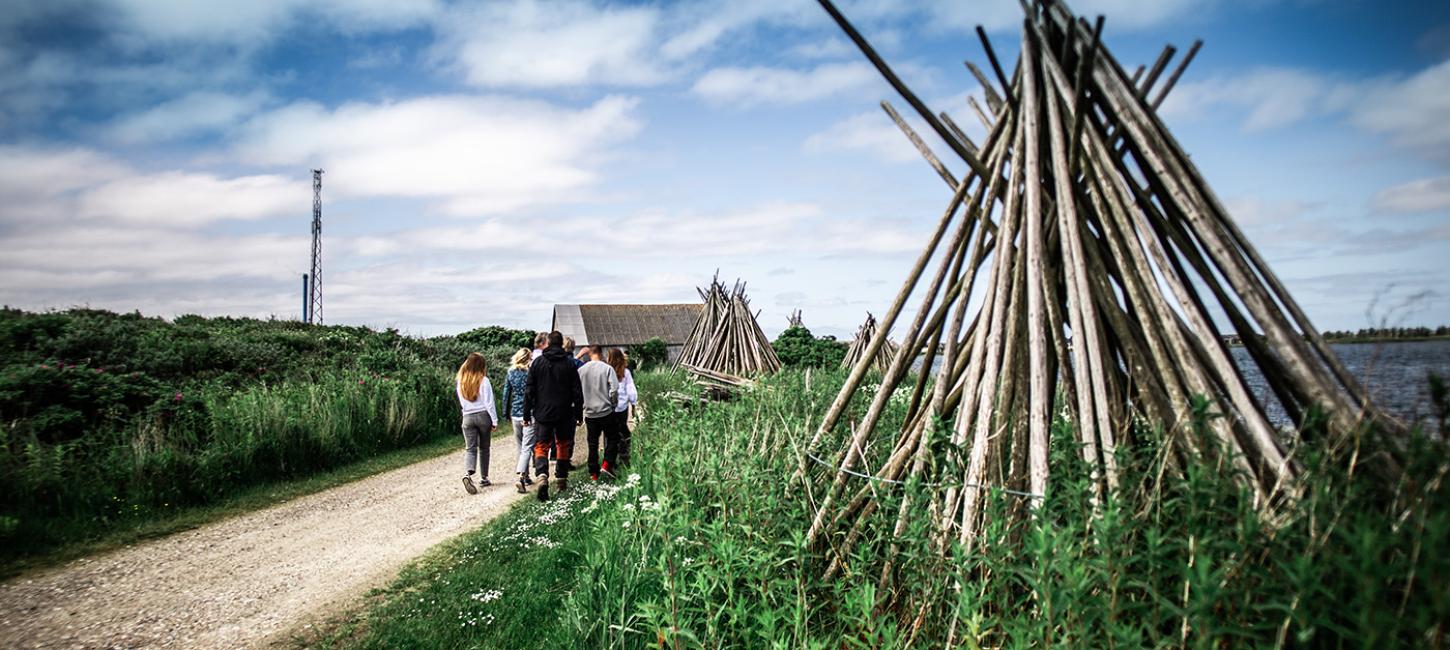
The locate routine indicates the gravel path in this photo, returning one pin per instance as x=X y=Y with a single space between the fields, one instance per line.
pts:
x=249 y=580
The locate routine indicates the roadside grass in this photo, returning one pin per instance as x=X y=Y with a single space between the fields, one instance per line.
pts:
x=117 y=427
x=506 y=585
x=230 y=503
x=706 y=549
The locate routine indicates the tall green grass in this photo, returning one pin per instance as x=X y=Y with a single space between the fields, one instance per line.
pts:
x=1176 y=561
x=111 y=422
x=209 y=444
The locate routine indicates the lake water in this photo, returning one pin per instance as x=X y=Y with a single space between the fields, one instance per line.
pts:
x=1394 y=373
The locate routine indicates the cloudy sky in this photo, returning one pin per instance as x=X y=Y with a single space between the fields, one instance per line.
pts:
x=485 y=161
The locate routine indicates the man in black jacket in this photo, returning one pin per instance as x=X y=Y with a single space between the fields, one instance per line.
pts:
x=554 y=404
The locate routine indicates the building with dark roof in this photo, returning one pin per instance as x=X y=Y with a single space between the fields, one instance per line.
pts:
x=626 y=325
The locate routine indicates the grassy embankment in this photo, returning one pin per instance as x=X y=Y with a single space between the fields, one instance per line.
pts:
x=705 y=549
x=115 y=427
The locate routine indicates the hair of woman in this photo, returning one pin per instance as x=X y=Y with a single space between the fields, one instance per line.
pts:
x=618 y=359
x=541 y=339
x=521 y=359
x=470 y=375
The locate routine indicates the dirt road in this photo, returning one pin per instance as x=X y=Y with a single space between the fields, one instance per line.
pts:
x=249 y=580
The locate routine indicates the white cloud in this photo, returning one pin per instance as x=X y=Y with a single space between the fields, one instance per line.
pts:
x=830 y=48
x=1269 y=97
x=250 y=23
x=27 y=172
x=538 y=43
x=86 y=255
x=763 y=85
x=870 y=132
x=1424 y=195
x=192 y=199
x=191 y=114
x=473 y=154
x=1409 y=110
x=1253 y=212
x=67 y=186
x=1006 y=15
x=700 y=25
x=798 y=228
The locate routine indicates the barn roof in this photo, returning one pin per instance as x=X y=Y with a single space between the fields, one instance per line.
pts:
x=626 y=324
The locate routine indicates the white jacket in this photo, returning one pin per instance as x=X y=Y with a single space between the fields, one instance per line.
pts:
x=627 y=393
x=484 y=403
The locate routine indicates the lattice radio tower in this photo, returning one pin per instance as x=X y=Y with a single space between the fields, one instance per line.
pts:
x=314 y=301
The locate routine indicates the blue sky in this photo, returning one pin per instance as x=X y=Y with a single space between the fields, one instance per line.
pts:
x=487 y=160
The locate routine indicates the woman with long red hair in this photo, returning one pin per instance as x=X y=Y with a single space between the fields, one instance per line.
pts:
x=475 y=396
x=628 y=396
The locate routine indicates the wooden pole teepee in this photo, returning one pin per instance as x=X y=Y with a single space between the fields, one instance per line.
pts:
x=1103 y=267
x=857 y=351
x=726 y=339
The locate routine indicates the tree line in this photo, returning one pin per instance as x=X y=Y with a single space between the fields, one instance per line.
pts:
x=1388 y=333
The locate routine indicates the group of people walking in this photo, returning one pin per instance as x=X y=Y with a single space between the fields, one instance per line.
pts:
x=549 y=392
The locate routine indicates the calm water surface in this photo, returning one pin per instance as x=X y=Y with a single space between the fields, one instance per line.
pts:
x=1393 y=372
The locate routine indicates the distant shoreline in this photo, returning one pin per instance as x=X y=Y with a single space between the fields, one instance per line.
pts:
x=1388 y=339
x=1373 y=339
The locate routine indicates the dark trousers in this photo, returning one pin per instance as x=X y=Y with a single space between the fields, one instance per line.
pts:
x=594 y=428
x=621 y=429
x=559 y=438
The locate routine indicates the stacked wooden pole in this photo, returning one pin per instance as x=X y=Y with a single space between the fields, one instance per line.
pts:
x=881 y=362
x=1103 y=265
x=726 y=339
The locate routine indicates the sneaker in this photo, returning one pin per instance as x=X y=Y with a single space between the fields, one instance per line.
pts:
x=543 y=490
x=522 y=485
x=484 y=482
x=593 y=477
x=468 y=485
x=607 y=471
x=561 y=484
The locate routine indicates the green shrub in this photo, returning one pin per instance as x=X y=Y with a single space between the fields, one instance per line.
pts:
x=494 y=336
x=650 y=354
x=797 y=347
x=117 y=417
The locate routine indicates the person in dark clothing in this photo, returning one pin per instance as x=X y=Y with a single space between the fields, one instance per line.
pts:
x=554 y=405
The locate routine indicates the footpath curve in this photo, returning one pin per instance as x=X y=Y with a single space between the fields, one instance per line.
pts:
x=250 y=580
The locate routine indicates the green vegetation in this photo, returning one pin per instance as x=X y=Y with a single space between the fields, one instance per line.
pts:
x=798 y=348
x=115 y=422
x=1366 y=334
x=705 y=549
x=650 y=354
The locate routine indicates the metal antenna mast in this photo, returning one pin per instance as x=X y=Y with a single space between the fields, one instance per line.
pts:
x=314 y=302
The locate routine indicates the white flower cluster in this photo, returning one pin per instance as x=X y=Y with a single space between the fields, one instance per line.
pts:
x=465 y=619
x=487 y=596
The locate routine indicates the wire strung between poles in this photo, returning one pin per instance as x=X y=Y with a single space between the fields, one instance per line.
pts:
x=879 y=479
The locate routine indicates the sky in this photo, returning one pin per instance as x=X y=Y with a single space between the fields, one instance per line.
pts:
x=484 y=161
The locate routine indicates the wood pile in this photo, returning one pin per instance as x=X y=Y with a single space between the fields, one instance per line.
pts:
x=796 y=320
x=1103 y=262
x=726 y=340
x=881 y=361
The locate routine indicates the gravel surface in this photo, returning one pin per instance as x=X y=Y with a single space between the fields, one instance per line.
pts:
x=251 y=579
